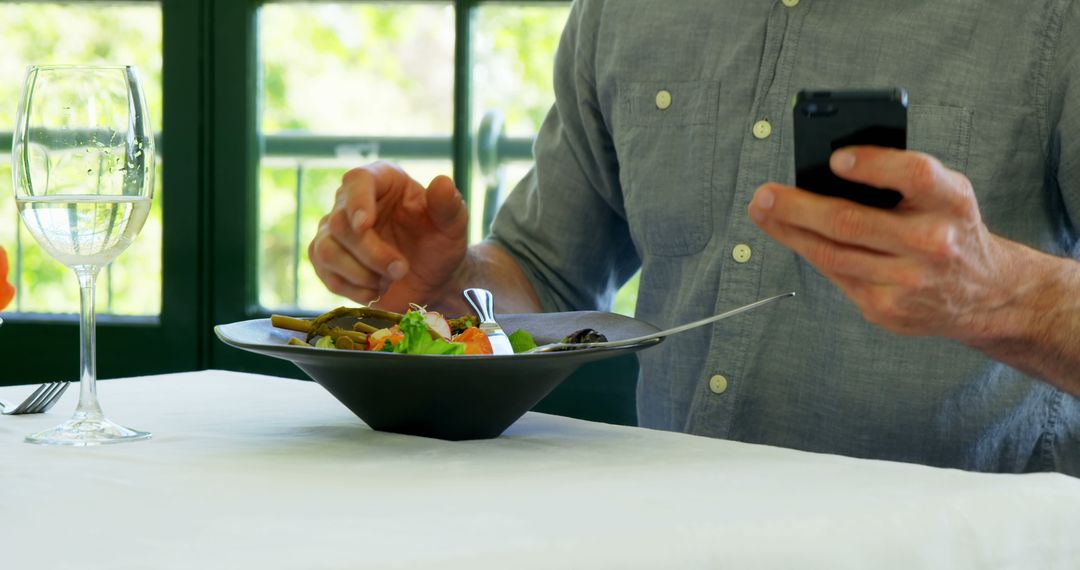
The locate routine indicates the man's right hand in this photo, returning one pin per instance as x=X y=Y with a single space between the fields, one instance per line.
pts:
x=389 y=238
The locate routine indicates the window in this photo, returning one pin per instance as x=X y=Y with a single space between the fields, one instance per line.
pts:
x=342 y=84
x=55 y=33
x=149 y=316
x=351 y=83
x=260 y=107
x=514 y=63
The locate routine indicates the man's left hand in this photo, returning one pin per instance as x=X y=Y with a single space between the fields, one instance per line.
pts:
x=928 y=267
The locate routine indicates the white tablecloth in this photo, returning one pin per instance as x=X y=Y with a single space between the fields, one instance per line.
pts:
x=255 y=472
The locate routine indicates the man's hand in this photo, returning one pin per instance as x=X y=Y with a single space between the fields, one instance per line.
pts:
x=388 y=237
x=929 y=267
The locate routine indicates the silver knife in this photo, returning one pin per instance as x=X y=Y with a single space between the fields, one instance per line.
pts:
x=483 y=303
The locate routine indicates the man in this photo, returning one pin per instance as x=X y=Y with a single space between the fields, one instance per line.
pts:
x=944 y=332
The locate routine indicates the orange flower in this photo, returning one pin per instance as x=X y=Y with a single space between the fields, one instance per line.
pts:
x=7 y=291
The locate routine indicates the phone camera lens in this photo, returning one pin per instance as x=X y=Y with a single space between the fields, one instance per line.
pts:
x=819 y=109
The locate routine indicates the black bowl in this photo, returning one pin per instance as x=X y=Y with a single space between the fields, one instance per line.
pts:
x=446 y=397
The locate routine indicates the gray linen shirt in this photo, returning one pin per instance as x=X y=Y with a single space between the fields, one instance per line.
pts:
x=621 y=183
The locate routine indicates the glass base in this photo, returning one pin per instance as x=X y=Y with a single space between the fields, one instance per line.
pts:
x=85 y=431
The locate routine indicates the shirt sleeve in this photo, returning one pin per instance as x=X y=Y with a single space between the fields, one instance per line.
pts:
x=1064 y=119
x=565 y=224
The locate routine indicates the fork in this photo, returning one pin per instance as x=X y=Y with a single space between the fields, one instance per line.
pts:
x=483 y=303
x=656 y=335
x=39 y=402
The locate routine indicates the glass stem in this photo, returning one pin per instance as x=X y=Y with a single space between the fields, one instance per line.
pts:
x=88 y=402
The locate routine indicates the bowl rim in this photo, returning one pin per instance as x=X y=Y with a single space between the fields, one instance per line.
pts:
x=308 y=352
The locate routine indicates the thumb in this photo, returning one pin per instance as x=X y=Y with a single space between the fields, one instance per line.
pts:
x=446 y=207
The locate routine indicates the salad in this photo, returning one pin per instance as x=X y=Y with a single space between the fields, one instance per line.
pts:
x=418 y=331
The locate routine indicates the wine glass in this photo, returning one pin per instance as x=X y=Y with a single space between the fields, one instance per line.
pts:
x=83 y=169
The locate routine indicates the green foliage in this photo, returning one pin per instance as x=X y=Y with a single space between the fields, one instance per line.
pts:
x=357 y=68
x=626 y=299
x=515 y=55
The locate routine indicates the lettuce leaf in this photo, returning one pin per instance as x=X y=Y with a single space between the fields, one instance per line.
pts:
x=418 y=341
x=521 y=341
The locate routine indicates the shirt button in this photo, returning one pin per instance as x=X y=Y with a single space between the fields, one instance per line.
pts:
x=762 y=129
x=663 y=99
x=791 y=3
x=718 y=384
x=741 y=253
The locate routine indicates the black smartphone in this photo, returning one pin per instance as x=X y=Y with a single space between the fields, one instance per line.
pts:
x=828 y=120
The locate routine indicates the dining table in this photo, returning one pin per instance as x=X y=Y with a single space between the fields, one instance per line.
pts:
x=252 y=471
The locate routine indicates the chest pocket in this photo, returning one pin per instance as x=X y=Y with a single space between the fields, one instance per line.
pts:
x=665 y=138
x=942 y=132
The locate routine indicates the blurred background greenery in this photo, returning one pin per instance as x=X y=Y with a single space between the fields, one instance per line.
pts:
x=52 y=33
x=382 y=69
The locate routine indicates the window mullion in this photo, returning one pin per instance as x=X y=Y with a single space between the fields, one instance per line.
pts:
x=232 y=201
x=185 y=306
x=464 y=23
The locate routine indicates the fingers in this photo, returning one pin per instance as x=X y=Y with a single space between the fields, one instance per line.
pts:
x=347 y=254
x=361 y=188
x=847 y=222
x=354 y=202
x=381 y=223
x=908 y=270
x=339 y=270
x=921 y=178
x=446 y=207
x=844 y=261
x=441 y=204
x=367 y=249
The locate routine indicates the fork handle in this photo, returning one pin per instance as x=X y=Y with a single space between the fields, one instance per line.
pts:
x=482 y=302
x=666 y=332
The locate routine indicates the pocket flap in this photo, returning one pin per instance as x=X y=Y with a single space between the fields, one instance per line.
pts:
x=670 y=103
x=941 y=131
